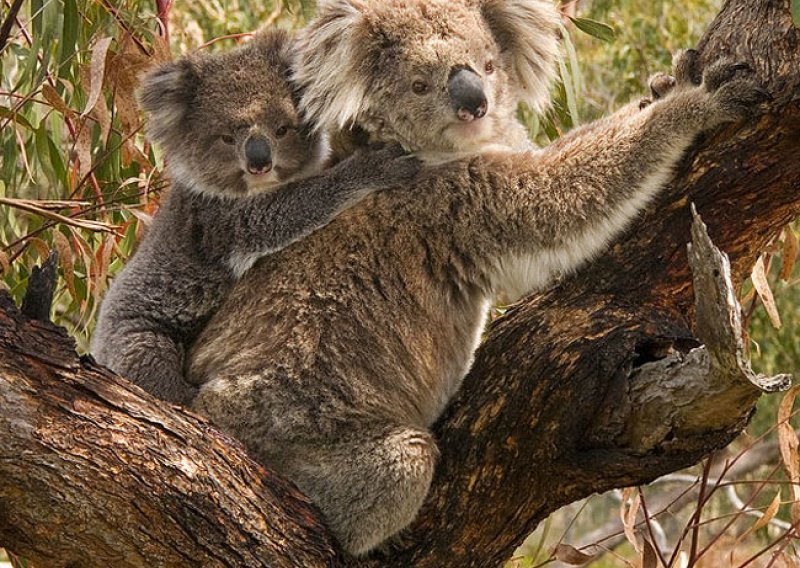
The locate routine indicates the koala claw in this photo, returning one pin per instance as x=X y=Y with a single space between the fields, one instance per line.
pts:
x=738 y=97
x=722 y=72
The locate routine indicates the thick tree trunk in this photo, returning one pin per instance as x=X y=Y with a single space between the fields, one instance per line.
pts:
x=598 y=383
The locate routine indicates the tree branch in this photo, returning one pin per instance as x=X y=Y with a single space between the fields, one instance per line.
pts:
x=95 y=473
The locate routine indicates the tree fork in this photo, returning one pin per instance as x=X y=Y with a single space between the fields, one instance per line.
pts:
x=93 y=472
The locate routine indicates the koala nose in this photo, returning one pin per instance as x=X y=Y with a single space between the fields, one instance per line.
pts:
x=258 y=155
x=466 y=94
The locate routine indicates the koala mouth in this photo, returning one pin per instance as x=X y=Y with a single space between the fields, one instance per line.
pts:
x=259 y=170
x=261 y=180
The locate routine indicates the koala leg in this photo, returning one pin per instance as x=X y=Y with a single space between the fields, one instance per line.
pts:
x=153 y=361
x=369 y=487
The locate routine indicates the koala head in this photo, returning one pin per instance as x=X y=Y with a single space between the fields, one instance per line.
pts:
x=228 y=122
x=433 y=75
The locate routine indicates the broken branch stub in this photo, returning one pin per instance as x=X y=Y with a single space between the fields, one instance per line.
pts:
x=662 y=405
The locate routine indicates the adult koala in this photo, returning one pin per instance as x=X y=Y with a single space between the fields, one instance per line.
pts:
x=357 y=336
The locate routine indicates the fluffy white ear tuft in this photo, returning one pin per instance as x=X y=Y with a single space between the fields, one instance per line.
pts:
x=527 y=32
x=165 y=95
x=328 y=68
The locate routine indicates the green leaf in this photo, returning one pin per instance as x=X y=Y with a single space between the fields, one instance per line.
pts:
x=596 y=29
x=796 y=12
x=7 y=113
x=69 y=37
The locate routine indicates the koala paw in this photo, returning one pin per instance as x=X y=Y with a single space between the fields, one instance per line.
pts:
x=734 y=89
x=660 y=86
x=390 y=165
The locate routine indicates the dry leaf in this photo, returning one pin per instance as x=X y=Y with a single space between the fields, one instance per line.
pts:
x=649 y=556
x=143 y=217
x=83 y=149
x=96 y=72
x=571 y=555
x=51 y=96
x=790 y=249
x=759 y=278
x=787 y=440
x=41 y=248
x=124 y=71
x=5 y=264
x=102 y=115
x=629 y=509
x=789 y=560
x=65 y=259
x=103 y=259
x=85 y=251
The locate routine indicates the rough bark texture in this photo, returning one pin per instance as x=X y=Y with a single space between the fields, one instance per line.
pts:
x=94 y=473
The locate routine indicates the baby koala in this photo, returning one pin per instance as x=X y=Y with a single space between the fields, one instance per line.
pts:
x=234 y=144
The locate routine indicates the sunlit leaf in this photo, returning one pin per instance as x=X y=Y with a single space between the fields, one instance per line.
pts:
x=788 y=443
x=760 y=283
x=97 y=72
x=629 y=509
x=796 y=12
x=595 y=29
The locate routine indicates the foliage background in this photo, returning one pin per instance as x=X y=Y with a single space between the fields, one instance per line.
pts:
x=78 y=176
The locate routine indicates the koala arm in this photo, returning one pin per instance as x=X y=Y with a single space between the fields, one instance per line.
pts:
x=266 y=223
x=564 y=204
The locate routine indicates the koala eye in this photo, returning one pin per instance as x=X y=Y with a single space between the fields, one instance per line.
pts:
x=230 y=140
x=420 y=87
x=489 y=67
x=281 y=132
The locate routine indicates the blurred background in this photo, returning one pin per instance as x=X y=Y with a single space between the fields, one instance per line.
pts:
x=77 y=176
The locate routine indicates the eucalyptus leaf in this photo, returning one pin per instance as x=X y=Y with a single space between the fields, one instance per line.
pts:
x=796 y=12
x=596 y=29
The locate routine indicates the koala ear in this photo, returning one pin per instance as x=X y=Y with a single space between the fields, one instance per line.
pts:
x=527 y=32
x=166 y=94
x=328 y=68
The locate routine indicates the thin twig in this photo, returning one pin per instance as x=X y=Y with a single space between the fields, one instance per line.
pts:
x=26 y=205
x=8 y=23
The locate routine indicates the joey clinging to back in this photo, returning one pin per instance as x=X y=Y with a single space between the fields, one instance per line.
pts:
x=438 y=77
x=228 y=122
x=245 y=185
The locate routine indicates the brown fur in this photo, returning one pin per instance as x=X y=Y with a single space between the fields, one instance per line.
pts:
x=357 y=337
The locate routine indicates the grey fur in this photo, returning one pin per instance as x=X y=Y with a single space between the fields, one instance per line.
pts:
x=361 y=57
x=213 y=226
x=357 y=337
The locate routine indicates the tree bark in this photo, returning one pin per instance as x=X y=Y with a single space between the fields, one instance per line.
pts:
x=95 y=472
x=573 y=392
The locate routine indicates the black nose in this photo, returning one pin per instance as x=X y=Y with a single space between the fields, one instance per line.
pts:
x=466 y=94
x=258 y=155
